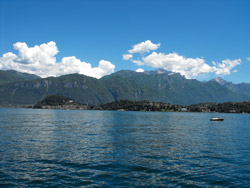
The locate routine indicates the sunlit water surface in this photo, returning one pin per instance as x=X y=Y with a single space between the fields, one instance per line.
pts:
x=64 y=148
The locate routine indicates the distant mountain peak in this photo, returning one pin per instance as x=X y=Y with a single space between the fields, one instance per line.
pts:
x=220 y=80
x=158 y=71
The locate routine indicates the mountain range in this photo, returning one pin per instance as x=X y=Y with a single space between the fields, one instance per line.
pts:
x=157 y=86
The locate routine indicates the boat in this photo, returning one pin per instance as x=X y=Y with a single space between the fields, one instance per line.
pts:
x=217 y=119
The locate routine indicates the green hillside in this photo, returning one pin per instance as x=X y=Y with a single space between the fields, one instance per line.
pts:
x=14 y=76
x=241 y=88
x=168 y=88
x=79 y=87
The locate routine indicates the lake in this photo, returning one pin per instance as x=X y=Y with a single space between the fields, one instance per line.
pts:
x=64 y=148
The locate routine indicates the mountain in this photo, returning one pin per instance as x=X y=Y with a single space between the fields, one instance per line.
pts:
x=81 y=88
x=14 y=76
x=155 y=86
x=166 y=87
x=242 y=88
x=220 y=80
x=158 y=71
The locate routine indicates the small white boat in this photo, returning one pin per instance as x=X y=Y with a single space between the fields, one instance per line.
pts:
x=217 y=119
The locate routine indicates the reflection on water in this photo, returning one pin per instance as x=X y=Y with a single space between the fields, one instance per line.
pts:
x=111 y=149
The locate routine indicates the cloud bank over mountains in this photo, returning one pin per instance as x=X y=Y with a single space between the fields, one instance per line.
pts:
x=188 y=67
x=41 y=60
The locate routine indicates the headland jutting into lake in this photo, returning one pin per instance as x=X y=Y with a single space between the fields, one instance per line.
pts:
x=62 y=102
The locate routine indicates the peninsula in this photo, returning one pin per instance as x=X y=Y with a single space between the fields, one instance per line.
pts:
x=62 y=102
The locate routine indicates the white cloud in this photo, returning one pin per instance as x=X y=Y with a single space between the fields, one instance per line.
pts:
x=104 y=68
x=248 y=58
x=127 y=56
x=139 y=70
x=45 y=53
x=225 y=67
x=70 y=65
x=188 y=67
x=6 y=61
x=138 y=62
x=144 y=47
x=41 y=60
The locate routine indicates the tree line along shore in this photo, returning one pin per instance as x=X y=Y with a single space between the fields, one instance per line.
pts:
x=62 y=102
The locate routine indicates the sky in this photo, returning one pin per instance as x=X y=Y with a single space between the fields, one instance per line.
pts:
x=200 y=39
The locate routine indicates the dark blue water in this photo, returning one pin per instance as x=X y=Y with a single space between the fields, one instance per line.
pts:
x=46 y=148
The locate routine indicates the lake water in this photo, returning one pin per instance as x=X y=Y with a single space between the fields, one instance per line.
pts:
x=64 y=148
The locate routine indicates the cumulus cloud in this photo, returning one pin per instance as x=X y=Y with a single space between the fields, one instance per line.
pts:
x=44 y=53
x=127 y=56
x=248 y=58
x=139 y=70
x=188 y=67
x=225 y=67
x=70 y=65
x=144 y=47
x=41 y=60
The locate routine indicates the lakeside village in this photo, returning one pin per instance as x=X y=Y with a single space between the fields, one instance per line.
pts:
x=62 y=102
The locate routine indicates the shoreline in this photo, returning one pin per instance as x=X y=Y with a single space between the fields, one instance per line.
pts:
x=119 y=110
x=66 y=103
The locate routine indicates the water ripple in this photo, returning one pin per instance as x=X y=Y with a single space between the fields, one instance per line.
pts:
x=56 y=148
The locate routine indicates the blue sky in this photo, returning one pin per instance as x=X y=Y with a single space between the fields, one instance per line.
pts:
x=95 y=30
